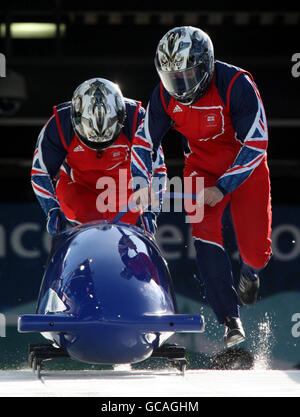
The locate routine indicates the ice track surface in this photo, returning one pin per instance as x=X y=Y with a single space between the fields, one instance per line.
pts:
x=123 y=383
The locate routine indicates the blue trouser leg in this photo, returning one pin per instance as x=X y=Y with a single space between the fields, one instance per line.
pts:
x=215 y=269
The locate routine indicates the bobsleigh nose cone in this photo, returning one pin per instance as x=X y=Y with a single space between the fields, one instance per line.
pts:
x=114 y=345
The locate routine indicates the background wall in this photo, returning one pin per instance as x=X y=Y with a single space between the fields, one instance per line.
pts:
x=119 y=43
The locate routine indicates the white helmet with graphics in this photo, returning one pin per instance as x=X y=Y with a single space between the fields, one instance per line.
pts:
x=184 y=61
x=98 y=112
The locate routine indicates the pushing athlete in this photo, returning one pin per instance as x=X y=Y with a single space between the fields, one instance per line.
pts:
x=86 y=140
x=219 y=112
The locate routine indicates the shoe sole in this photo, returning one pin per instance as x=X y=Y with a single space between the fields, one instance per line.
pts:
x=234 y=340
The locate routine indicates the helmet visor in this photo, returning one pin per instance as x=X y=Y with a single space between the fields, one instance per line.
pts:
x=180 y=83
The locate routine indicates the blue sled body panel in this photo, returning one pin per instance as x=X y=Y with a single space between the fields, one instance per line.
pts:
x=107 y=296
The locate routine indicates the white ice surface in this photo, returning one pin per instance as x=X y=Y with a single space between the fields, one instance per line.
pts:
x=140 y=383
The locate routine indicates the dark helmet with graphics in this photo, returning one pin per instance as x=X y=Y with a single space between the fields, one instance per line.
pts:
x=184 y=61
x=98 y=112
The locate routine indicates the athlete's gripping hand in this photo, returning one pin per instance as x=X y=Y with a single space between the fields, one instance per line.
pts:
x=145 y=198
x=56 y=221
x=210 y=196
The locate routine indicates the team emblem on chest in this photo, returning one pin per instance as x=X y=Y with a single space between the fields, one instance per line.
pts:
x=210 y=122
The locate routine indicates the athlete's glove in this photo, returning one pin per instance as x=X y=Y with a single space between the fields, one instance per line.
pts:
x=148 y=222
x=56 y=221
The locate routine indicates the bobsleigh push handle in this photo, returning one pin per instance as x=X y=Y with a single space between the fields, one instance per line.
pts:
x=188 y=196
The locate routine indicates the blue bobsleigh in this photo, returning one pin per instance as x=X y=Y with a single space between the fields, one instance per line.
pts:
x=107 y=298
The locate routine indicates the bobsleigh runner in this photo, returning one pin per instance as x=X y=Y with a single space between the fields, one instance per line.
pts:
x=107 y=298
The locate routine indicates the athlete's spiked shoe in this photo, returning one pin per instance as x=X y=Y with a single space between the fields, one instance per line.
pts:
x=234 y=331
x=248 y=290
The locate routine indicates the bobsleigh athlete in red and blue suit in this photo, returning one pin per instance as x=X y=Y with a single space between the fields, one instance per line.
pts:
x=86 y=140
x=219 y=112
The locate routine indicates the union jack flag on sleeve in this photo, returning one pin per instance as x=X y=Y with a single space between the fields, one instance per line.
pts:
x=147 y=159
x=250 y=123
x=148 y=166
x=159 y=178
x=49 y=154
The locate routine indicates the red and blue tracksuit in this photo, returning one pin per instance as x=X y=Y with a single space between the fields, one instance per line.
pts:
x=66 y=173
x=225 y=138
